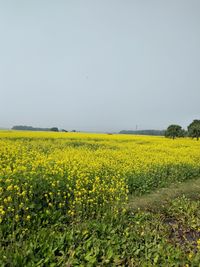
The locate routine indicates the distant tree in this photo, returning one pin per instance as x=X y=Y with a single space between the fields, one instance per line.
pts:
x=194 y=129
x=23 y=128
x=143 y=132
x=63 y=130
x=174 y=131
x=54 y=129
x=29 y=128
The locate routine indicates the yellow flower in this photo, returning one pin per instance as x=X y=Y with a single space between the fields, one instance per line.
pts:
x=10 y=187
x=28 y=217
x=198 y=243
x=190 y=255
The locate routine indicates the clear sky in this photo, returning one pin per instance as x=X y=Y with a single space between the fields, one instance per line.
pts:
x=103 y=65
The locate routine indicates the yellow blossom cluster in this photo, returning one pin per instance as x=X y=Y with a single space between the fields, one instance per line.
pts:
x=76 y=174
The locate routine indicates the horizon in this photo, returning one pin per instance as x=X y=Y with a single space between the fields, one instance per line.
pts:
x=93 y=131
x=85 y=131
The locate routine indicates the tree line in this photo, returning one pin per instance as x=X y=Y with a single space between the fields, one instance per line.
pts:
x=30 y=128
x=175 y=131
x=144 y=132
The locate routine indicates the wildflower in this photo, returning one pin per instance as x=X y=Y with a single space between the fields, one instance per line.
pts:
x=28 y=217
x=198 y=243
x=190 y=255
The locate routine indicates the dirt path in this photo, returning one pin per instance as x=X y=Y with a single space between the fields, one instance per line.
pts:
x=163 y=195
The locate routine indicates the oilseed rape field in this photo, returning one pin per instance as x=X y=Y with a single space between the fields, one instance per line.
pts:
x=63 y=194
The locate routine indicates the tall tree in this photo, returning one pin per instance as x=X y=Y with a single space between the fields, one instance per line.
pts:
x=54 y=129
x=194 y=129
x=174 y=131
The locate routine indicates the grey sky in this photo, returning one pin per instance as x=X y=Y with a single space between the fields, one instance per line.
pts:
x=101 y=65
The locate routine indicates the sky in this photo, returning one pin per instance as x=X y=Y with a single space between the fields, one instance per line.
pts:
x=103 y=65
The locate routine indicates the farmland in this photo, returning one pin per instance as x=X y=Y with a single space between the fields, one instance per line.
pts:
x=65 y=200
